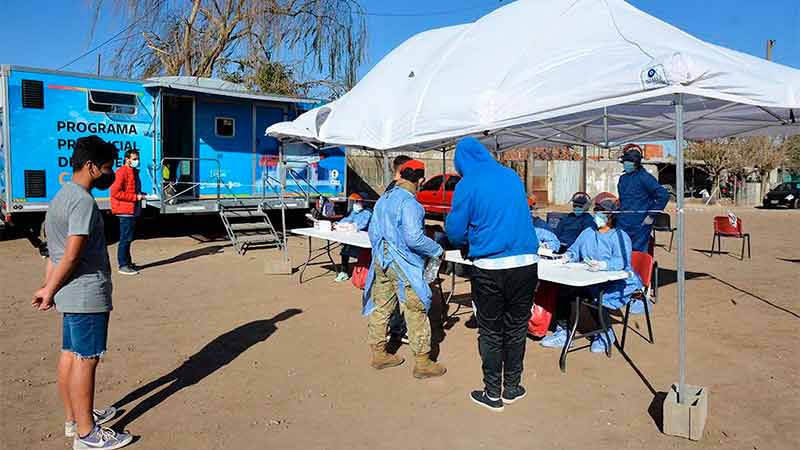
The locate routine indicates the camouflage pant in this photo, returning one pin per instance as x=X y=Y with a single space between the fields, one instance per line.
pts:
x=384 y=291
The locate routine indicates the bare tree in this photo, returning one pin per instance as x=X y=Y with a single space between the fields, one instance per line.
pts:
x=305 y=41
x=763 y=155
x=716 y=156
x=791 y=148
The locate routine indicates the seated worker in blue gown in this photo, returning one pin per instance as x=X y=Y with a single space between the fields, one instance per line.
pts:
x=573 y=224
x=359 y=216
x=604 y=248
x=547 y=237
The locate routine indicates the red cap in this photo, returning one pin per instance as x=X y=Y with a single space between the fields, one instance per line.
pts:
x=413 y=164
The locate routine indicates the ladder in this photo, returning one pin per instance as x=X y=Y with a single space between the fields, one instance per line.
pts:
x=249 y=225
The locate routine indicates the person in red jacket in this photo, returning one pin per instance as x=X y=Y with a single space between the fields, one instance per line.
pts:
x=126 y=204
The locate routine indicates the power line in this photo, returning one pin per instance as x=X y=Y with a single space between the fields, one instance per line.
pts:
x=112 y=38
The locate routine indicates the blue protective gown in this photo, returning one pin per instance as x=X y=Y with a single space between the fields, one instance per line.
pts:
x=599 y=246
x=572 y=225
x=546 y=234
x=398 y=220
x=638 y=192
x=361 y=218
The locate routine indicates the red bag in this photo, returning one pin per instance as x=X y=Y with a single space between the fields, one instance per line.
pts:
x=361 y=269
x=543 y=308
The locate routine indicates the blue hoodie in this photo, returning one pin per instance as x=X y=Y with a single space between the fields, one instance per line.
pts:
x=490 y=208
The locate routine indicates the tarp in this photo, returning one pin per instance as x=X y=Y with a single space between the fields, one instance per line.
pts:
x=566 y=71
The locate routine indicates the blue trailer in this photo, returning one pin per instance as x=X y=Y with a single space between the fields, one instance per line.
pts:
x=201 y=141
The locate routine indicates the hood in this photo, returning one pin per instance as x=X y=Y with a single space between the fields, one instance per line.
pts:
x=471 y=155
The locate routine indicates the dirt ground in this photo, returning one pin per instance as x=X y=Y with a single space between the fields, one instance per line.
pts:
x=207 y=352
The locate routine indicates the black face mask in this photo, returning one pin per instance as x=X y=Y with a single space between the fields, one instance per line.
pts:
x=105 y=181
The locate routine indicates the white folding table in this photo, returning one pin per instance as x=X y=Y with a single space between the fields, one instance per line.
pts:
x=354 y=238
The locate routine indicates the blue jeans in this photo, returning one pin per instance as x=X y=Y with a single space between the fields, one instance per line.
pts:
x=127 y=227
x=85 y=334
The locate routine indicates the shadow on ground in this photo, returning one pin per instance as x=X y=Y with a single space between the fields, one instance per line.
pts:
x=215 y=355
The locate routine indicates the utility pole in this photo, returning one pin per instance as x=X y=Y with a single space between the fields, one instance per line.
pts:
x=770 y=46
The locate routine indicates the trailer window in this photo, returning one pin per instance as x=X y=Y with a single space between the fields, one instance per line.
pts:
x=112 y=102
x=226 y=126
x=32 y=94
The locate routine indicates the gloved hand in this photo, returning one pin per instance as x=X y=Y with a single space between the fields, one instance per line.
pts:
x=563 y=259
x=648 y=220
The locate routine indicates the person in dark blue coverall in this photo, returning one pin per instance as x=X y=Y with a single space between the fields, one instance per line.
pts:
x=641 y=198
x=572 y=225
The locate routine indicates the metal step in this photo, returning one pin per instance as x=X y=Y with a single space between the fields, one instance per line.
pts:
x=242 y=214
x=257 y=239
x=253 y=226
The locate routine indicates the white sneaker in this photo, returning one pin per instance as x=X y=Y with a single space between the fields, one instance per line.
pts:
x=102 y=438
x=342 y=276
x=100 y=416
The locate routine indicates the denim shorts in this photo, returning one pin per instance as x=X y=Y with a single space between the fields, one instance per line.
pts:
x=85 y=334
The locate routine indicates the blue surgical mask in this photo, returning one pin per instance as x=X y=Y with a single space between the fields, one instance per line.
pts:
x=628 y=166
x=577 y=210
x=600 y=220
x=357 y=207
x=135 y=163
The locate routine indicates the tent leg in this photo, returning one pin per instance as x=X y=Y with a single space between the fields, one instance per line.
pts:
x=681 y=251
x=387 y=175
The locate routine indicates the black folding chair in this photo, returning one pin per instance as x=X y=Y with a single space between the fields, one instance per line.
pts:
x=663 y=223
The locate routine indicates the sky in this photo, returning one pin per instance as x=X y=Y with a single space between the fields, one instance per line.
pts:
x=49 y=34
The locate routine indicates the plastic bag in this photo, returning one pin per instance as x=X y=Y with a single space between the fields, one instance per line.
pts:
x=432 y=269
x=544 y=307
x=361 y=269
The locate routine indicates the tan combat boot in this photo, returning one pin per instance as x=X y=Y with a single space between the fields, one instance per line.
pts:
x=383 y=360
x=425 y=368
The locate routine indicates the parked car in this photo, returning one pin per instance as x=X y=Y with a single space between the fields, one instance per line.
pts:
x=784 y=194
x=436 y=194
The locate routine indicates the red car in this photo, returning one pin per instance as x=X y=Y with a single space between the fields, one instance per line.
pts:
x=436 y=194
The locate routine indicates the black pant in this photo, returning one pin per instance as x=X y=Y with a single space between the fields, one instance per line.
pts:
x=503 y=299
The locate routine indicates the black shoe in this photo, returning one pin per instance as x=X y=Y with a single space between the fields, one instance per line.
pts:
x=472 y=322
x=510 y=395
x=482 y=399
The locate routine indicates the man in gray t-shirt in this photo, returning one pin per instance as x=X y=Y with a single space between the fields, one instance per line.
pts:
x=74 y=212
x=78 y=282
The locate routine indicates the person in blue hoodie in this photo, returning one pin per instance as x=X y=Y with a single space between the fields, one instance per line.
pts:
x=359 y=216
x=604 y=248
x=640 y=197
x=490 y=218
x=573 y=224
x=399 y=251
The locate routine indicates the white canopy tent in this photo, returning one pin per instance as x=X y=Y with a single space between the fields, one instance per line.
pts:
x=555 y=72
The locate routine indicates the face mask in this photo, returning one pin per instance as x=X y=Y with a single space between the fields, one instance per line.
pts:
x=577 y=210
x=357 y=207
x=628 y=166
x=600 y=220
x=135 y=163
x=104 y=182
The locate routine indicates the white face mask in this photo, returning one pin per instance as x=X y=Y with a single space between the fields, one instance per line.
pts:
x=135 y=163
x=357 y=207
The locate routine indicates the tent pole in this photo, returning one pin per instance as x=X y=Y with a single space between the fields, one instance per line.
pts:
x=681 y=250
x=583 y=166
x=386 y=172
x=605 y=126
x=583 y=169
x=281 y=156
x=444 y=178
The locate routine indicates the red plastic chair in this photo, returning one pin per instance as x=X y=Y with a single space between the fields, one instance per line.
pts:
x=723 y=228
x=644 y=266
